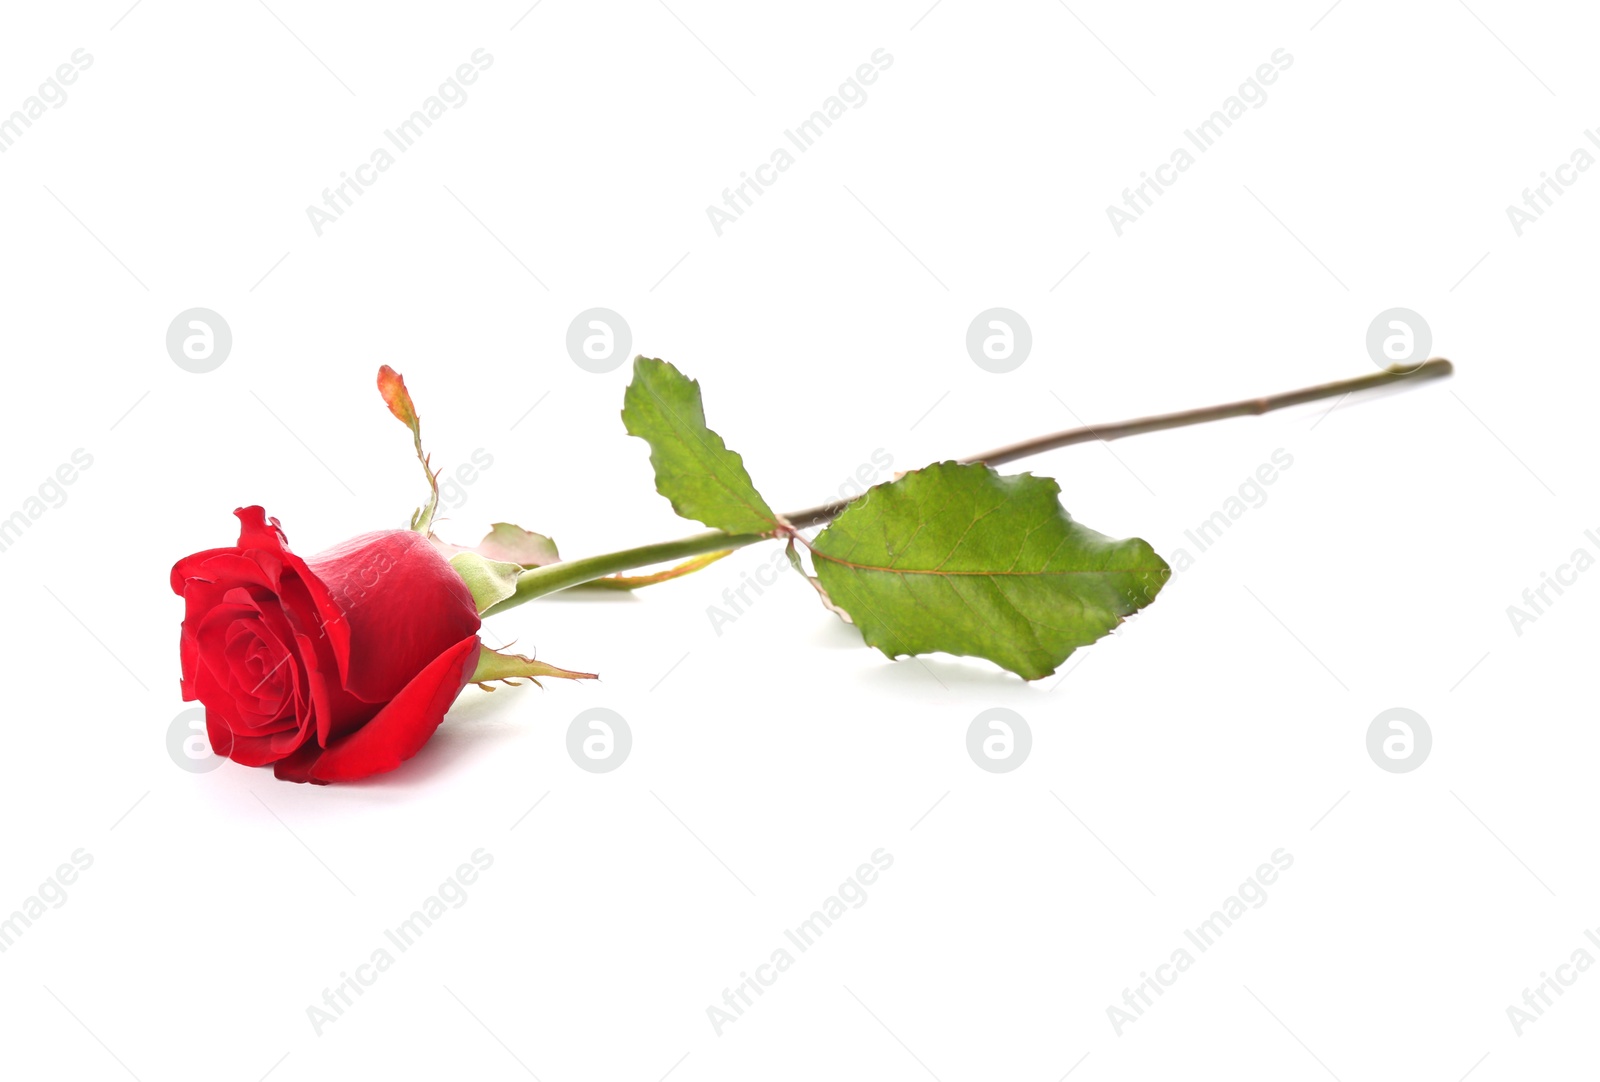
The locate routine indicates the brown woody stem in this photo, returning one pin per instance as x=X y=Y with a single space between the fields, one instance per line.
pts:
x=560 y=576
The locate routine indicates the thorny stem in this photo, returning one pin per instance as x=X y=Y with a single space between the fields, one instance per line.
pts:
x=1436 y=368
x=560 y=576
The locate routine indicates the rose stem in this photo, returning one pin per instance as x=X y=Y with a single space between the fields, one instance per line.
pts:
x=545 y=580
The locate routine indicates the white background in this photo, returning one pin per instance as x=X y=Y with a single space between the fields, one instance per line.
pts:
x=770 y=760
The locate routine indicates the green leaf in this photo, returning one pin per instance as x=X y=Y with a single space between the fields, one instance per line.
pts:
x=493 y=665
x=513 y=544
x=491 y=581
x=961 y=559
x=508 y=544
x=694 y=469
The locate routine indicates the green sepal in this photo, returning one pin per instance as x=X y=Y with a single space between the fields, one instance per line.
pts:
x=491 y=581
x=493 y=665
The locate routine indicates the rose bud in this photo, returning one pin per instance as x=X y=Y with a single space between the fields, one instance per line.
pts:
x=332 y=668
x=342 y=666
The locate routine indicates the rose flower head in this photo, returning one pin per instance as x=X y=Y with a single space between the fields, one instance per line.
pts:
x=341 y=666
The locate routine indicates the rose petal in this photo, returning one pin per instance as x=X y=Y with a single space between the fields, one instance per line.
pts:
x=334 y=668
x=217 y=682
x=255 y=534
x=219 y=734
x=405 y=724
x=403 y=605
x=337 y=712
x=297 y=767
x=190 y=567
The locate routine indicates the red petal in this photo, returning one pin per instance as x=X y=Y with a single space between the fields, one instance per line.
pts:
x=190 y=567
x=297 y=767
x=260 y=533
x=402 y=727
x=403 y=605
x=257 y=531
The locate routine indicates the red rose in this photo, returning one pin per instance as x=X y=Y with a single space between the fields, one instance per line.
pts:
x=331 y=668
